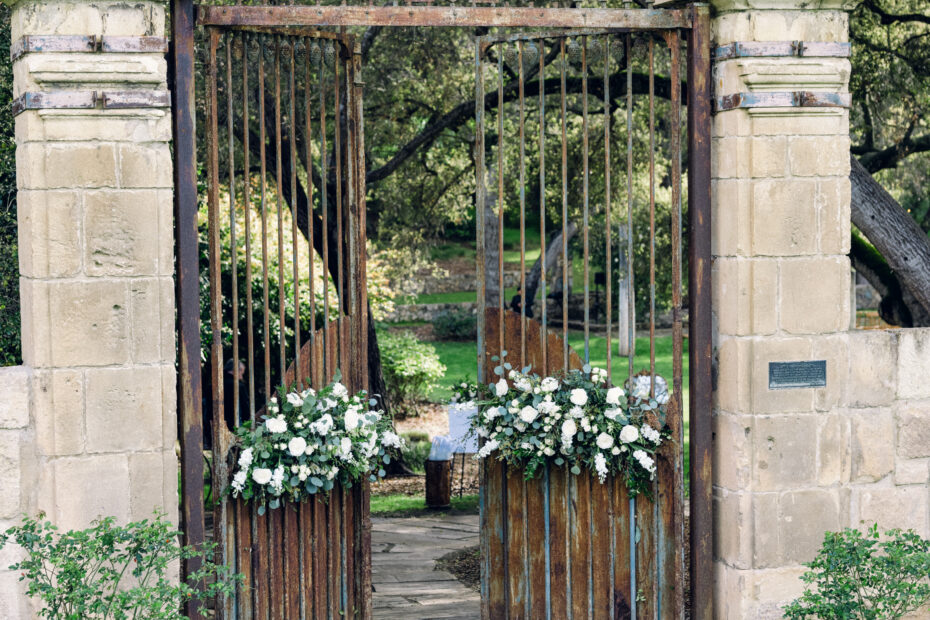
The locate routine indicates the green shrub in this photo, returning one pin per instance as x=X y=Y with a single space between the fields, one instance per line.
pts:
x=455 y=325
x=107 y=571
x=416 y=449
x=864 y=576
x=411 y=368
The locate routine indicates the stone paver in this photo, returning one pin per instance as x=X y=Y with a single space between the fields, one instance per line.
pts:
x=403 y=555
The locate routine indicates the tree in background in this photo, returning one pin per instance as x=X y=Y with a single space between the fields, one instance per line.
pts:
x=10 y=349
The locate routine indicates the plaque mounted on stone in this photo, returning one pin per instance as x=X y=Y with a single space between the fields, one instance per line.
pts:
x=795 y=375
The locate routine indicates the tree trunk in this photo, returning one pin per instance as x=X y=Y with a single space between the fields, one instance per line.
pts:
x=895 y=234
x=553 y=252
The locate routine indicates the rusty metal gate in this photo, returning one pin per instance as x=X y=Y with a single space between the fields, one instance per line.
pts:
x=284 y=132
x=563 y=545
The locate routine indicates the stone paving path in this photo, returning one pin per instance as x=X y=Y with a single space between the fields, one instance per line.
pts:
x=403 y=555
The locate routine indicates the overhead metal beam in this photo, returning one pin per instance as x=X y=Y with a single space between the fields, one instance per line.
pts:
x=471 y=16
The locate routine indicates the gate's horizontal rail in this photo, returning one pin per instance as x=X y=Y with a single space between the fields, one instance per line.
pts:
x=525 y=17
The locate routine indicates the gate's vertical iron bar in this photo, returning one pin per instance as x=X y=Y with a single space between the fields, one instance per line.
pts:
x=340 y=240
x=278 y=189
x=308 y=146
x=542 y=215
x=699 y=292
x=262 y=138
x=247 y=199
x=480 y=214
x=673 y=575
x=607 y=204
x=292 y=148
x=564 y=209
x=480 y=199
x=585 y=197
x=324 y=209
x=190 y=387
x=608 y=295
x=234 y=248
x=652 y=219
x=500 y=194
x=631 y=289
x=362 y=496
x=223 y=604
x=631 y=329
x=520 y=78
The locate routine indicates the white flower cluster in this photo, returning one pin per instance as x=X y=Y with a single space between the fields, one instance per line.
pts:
x=310 y=442
x=576 y=418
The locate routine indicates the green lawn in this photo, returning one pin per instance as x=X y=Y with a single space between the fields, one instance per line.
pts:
x=410 y=506
x=460 y=359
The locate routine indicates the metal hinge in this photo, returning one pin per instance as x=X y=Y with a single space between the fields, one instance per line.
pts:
x=759 y=49
x=76 y=43
x=791 y=99
x=91 y=99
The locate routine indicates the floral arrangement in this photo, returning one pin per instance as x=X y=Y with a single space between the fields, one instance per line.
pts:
x=309 y=442
x=464 y=394
x=574 y=419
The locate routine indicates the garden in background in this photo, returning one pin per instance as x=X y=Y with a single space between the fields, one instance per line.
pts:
x=424 y=360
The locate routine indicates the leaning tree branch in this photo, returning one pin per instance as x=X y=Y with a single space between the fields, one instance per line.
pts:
x=875 y=160
x=892 y=231
x=887 y=18
x=465 y=111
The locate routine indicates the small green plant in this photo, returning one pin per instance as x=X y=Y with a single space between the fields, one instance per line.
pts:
x=416 y=449
x=858 y=575
x=107 y=571
x=411 y=368
x=455 y=325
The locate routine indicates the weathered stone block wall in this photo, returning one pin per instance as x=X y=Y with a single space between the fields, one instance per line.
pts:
x=94 y=422
x=791 y=464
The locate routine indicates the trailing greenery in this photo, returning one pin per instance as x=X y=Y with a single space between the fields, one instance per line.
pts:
x=574 y=419
x=108 y=571
x=411 y=368
x=308 y=443
x=866 y=576
x=455 y=325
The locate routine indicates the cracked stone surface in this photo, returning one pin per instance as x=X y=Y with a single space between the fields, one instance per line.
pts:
x=403 y=556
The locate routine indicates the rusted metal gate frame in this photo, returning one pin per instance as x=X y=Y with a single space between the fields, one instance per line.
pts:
x=695 y=20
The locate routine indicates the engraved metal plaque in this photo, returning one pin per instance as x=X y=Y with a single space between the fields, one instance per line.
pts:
x=793 y=375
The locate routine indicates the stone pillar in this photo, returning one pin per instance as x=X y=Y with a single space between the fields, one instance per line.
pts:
x=780 y=294
x=96 y=259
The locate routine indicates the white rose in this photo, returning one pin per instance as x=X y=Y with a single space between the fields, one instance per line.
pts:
x=569 y=428
x=611 y=414
x=528 y=414
x=605 y=441
x=261 y=475
x=239 y=480
x=346 y=446
x=629 y=434
x=549 y=384
x=579 y=397
x=501 y=387
x=276 y=425
x=523 y=385
x=351 y=420
x=613 y=395
x=309 y=450
x=294 y=399
x=296 y=446
x=339 y=390
x=245 y=458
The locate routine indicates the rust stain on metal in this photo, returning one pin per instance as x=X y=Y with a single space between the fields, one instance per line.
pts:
x=470 y=16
